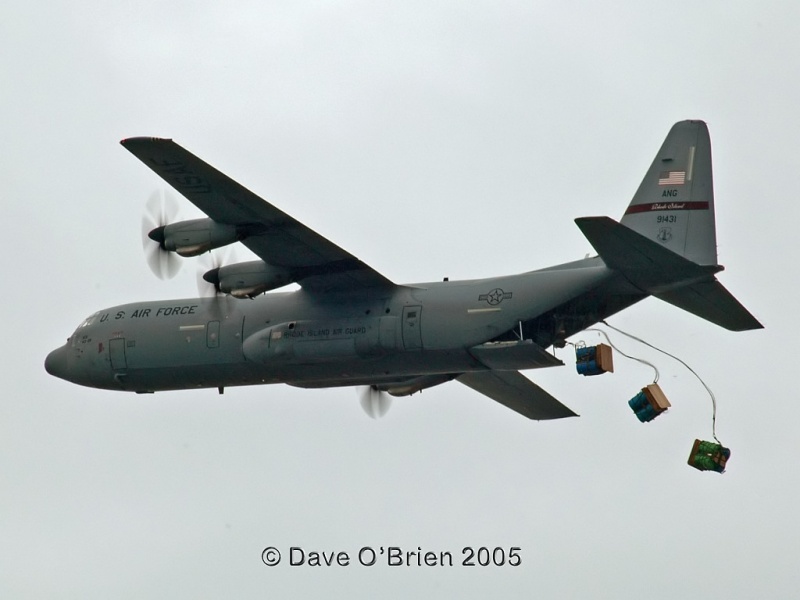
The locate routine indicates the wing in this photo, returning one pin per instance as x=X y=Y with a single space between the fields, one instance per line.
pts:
x=517 y=392
x=274 y=236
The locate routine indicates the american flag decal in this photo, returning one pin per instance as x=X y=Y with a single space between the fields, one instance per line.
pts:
x=672 y=178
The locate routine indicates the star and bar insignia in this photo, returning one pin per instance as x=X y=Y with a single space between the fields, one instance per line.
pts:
x=496 y=296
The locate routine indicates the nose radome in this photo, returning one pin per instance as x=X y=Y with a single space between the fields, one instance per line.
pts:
x=56 y=363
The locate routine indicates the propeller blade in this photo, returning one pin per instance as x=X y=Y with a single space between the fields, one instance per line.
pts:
x=208 y=273
x=160 y=210
x=375 y=402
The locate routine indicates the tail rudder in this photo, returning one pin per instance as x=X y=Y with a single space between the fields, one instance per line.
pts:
x=674 y=204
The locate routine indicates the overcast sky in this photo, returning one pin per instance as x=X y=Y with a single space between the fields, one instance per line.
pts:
x=429 y=139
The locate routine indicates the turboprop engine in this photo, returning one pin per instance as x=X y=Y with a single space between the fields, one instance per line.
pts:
x=194 y=237
x=248 y=279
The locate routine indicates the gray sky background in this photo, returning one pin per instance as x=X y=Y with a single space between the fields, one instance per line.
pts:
x=429 y=139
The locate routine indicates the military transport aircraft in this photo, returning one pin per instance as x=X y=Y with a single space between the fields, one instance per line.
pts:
x=348 y=325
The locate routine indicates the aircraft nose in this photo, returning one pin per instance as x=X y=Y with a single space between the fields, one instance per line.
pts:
x=56 y=363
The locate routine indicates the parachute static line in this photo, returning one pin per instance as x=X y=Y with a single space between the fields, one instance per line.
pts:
x=649 y=403
x=692 y=371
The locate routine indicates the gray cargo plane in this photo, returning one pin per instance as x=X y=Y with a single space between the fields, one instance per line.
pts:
x=348 y=325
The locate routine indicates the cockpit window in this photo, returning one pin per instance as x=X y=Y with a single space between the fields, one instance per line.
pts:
x=89 y=320
x=80 y=336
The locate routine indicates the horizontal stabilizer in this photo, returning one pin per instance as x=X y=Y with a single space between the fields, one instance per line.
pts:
x=666 y=275
x=712 y=302
x=517 y=392
x=645 y=263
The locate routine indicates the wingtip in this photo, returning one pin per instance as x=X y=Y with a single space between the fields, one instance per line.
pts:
x=139 y=139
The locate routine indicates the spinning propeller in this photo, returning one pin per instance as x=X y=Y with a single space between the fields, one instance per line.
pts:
x=375 y=402
x=160 y=210
x=208 y=274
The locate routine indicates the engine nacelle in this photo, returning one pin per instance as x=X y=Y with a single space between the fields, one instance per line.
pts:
x=248 y=279
x=194 y=237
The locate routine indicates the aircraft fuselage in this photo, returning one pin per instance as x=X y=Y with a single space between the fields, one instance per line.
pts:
x=316 y=340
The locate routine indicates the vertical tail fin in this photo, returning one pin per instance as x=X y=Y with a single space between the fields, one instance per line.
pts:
x=674 y=204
